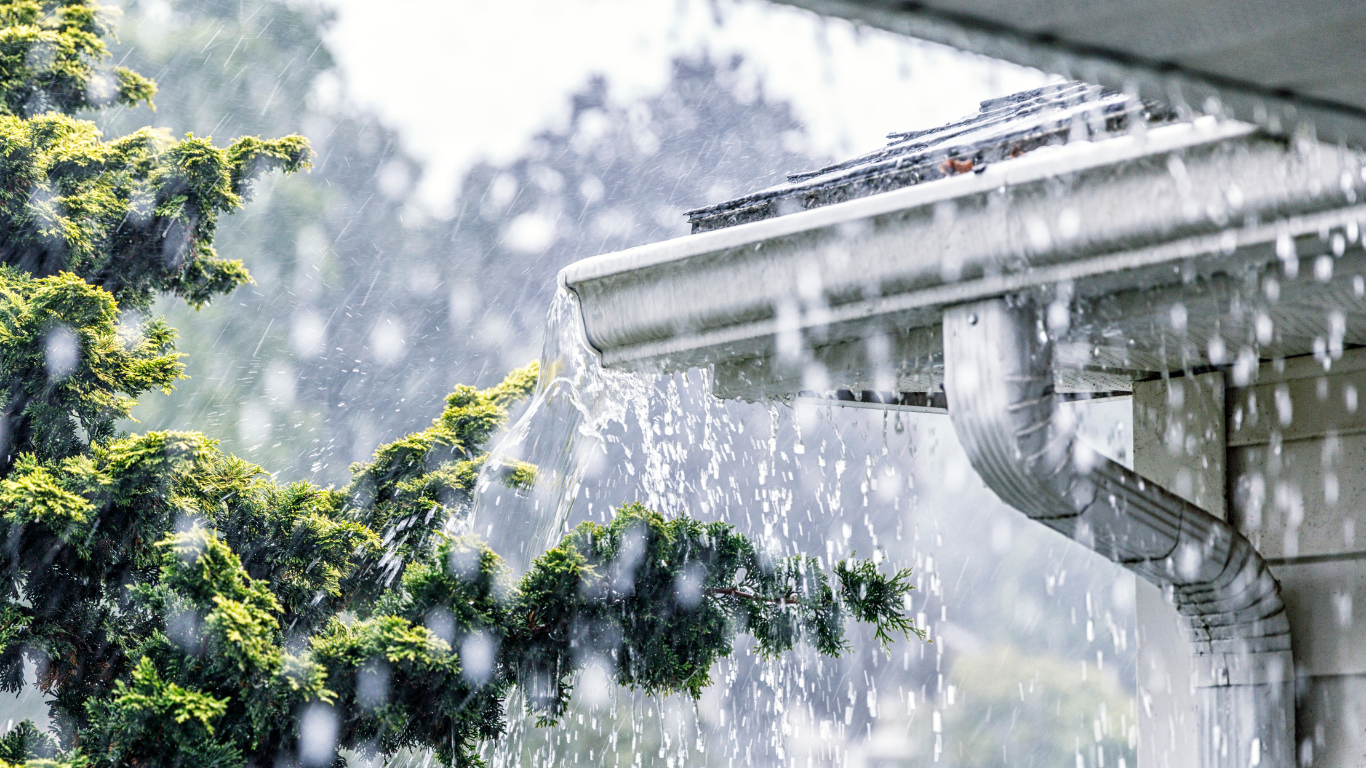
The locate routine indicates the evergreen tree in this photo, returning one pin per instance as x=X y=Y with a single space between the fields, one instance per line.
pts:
x=185 y=608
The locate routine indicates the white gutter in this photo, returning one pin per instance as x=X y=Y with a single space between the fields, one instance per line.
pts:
x=999 y=382
x=892 y=261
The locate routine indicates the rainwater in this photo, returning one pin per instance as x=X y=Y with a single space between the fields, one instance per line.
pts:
x=1027 y=626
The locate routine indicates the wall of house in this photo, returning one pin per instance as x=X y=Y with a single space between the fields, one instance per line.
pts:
x=1179 y=427
x=1297 y=489
x=1285 y=459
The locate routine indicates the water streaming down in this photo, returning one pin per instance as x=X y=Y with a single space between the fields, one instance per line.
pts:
x=1010 y=606
x=1004 y=601
x=557 y=435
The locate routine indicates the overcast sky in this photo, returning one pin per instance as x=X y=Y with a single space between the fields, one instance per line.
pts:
x=465 y=79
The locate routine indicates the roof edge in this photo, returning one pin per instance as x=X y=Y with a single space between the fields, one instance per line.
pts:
x=1030 y=167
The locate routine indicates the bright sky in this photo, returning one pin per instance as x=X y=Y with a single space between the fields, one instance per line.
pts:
x=465 y=79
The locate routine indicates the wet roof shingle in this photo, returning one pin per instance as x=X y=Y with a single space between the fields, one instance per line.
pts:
x=1002 y=128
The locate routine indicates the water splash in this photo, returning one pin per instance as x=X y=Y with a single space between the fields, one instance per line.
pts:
x=830 y=482
x=576 y=399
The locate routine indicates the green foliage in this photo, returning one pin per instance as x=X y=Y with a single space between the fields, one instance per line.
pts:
x=25 y=742
x=71 y=370
x=404 y=688
x=663 y=598
x=135 y=215
x=53 y=58
x=147 y=713
x=183 y=607
x=877 y=600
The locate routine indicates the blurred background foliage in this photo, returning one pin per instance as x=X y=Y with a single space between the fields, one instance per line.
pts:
x=366 y=310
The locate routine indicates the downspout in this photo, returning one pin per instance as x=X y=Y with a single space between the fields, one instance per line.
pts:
x=999 y=382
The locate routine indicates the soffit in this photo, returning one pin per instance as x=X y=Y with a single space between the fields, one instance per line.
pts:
x=1281 y=65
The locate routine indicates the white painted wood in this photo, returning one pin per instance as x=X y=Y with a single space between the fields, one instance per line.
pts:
x=1179 y=443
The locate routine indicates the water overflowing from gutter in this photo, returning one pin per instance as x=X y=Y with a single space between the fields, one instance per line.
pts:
x=559 y=433
x=828 y=482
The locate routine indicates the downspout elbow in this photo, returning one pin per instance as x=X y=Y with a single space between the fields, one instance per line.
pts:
x=998 y=376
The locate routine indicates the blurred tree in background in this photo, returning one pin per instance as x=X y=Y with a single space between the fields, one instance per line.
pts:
x=366 y=307
x=1069 y=699
x=273 y=369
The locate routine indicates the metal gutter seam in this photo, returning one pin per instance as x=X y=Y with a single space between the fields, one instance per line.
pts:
x=998 y=378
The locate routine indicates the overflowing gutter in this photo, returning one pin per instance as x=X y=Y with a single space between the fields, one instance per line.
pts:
x=1118 y=220
x=1165 y=248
